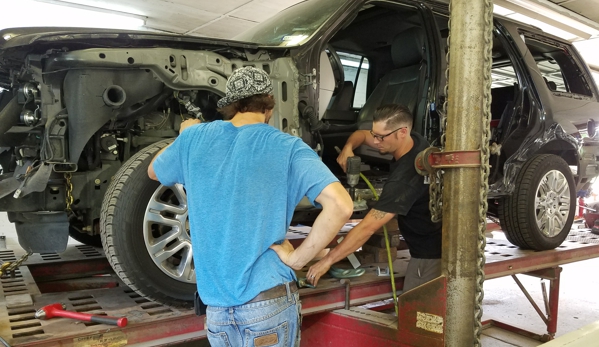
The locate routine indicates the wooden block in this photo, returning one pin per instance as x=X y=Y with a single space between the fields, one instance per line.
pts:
x=380 y=254
x=365 y=257
x=378 y=240
x=18 y=300
x=392 y=228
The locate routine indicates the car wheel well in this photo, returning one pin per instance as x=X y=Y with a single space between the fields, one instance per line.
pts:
x=562 y=149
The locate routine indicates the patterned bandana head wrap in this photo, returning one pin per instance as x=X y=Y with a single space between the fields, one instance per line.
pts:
x=245 y=82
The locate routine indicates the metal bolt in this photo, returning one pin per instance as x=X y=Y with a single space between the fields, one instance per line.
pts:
x=509 y=267
x=97 y=181
x=347 y=283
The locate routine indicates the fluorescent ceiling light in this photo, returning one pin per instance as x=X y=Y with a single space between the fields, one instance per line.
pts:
x=40 y=14
x=544 y=26
x=535 y=12
x=502 y=11
x=589 y=49
x=559 y=14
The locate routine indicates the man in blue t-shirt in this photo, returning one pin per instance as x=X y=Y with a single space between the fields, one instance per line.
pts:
x=243 y=180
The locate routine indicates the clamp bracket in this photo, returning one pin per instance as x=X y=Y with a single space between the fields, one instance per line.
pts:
x=433 y=158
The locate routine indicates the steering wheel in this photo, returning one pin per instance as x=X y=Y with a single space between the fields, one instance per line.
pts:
x=337 y=68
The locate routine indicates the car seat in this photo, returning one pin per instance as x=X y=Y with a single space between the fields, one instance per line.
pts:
x=550 y=84
x=340 y=108
x=405 y=84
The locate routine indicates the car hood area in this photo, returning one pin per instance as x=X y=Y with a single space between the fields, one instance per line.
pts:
x=19 y=37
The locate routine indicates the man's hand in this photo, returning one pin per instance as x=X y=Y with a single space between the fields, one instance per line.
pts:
x=337 y=207
x=346 y=152
x=317 y=270
x=189 y=122
x=285 y=251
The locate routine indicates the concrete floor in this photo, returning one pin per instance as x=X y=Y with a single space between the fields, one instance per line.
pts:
x=578 y=304
x=503 y=300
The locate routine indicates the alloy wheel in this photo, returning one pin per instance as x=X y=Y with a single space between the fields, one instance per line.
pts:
x=166 y=233
x=552 y=201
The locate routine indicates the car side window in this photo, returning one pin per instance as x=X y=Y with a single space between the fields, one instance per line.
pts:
x=558 y=67
x=355 y=68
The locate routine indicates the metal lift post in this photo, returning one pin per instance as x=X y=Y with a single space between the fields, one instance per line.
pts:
x=462 y=189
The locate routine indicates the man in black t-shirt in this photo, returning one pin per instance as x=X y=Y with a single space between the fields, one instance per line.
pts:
x=405 y=195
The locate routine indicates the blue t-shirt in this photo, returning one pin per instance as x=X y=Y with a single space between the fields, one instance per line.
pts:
x=243 y=184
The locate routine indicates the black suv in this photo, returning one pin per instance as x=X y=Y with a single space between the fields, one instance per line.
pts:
x=83 y=112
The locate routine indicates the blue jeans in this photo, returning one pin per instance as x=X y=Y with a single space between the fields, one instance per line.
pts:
x=274 y=322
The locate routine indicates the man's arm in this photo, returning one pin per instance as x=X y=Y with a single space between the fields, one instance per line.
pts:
x=184 y=125
x=358 y=138
x=356 y=237
x=151 y=172
x=337 y=207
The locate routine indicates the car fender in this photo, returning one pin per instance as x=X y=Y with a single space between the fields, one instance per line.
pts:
x=553 y=140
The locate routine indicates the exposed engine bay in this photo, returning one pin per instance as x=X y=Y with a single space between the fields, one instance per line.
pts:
x=71 y=118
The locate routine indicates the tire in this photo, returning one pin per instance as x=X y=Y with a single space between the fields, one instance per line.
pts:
x=86 y=239
x=129 y=232
x=544 y=187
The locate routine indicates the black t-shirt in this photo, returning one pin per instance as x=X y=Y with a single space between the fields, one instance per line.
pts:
x=406 y=195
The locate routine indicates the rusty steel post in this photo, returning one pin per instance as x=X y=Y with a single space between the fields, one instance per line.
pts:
x=462 y=186
x=554 y=303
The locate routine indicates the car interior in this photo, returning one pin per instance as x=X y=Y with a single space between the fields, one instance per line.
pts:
x=393 y=42
x=383 y=57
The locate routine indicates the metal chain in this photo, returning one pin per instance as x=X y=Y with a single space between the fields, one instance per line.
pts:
x=494 y=220
x=443 y=116
x=69 y=191
x=435 y=202
x=436 y=176
x=9 y=267
x=484 y=172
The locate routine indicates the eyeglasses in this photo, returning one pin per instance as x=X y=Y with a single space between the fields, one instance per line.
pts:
x=382 y=137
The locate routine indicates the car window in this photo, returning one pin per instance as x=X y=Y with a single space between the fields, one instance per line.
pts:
x=355 y=69
x=503 y=76
x=292 y=26
x=559 y=69
x=552 y=75
x=505 y=88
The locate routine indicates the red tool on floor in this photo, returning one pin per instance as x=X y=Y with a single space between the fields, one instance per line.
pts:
x=58 y=310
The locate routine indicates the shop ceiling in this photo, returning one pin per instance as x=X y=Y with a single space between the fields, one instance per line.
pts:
x=575 y=20
x=225 y=18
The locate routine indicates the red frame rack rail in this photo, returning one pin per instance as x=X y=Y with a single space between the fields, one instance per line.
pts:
x=334 y=313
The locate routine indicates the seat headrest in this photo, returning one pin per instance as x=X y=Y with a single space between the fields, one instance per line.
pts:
x=550 y=84
x=408 y=47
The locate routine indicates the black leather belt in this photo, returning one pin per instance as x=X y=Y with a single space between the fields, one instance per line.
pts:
x=275 y=292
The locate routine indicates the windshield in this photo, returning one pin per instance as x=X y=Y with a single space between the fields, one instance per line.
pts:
x=292 y=26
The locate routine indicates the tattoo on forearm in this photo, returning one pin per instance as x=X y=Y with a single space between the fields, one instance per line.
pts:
x=378 y=214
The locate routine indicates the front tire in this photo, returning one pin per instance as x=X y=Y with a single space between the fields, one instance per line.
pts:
x=539 y=213
x=144 y=233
